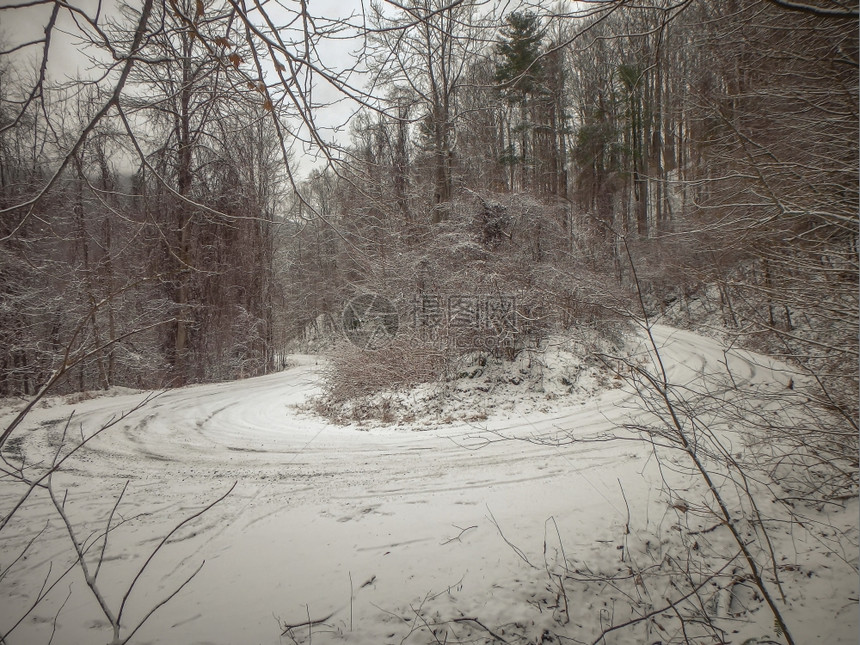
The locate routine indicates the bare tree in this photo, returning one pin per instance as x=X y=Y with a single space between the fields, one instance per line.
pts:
x=427 y=47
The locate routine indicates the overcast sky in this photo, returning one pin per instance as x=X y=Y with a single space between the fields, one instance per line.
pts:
x=68 y=61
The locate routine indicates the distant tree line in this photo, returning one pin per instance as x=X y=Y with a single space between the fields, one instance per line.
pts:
x=154 y=232
x=712 y=144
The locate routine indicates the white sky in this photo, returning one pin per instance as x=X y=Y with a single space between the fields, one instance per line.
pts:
x=68 y=62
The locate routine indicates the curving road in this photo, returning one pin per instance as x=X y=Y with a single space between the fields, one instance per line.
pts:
x=325 y=520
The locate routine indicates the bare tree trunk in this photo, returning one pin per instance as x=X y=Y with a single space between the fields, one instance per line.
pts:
x=184 y=218
x=89 y=287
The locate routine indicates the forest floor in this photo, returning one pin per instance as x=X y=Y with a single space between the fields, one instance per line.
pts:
x=522 y=525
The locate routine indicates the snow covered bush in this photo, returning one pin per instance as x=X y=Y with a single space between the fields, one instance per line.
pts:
x=355 y=374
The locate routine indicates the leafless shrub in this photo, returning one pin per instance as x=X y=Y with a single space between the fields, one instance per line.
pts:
x=357 y=383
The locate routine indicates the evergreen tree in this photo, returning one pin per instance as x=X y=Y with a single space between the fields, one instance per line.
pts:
x=519 y=68
x=520 y=72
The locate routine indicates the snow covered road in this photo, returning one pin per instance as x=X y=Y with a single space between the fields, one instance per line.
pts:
x=353 y=525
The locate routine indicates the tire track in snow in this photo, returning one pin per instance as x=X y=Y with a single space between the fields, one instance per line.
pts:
x=185 y=447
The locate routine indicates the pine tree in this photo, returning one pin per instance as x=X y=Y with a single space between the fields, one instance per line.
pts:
x=519 y=68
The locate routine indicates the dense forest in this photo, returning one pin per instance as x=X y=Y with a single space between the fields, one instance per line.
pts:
x=177 y=214
x=658 y=200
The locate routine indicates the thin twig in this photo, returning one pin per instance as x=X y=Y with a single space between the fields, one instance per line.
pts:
x=306 y=623
x=513 y=546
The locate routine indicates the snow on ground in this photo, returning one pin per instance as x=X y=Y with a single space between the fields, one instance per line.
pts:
x=385 y=534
